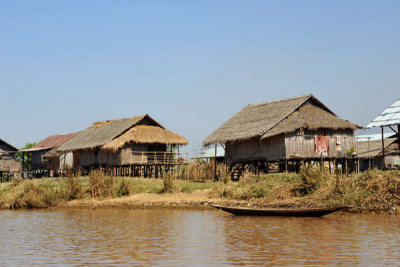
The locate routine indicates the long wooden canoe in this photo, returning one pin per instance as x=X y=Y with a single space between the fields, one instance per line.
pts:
x=296 y=212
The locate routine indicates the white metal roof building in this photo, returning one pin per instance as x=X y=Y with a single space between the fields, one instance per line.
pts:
x=388 y=118
x=373 y=137
x=391 y=116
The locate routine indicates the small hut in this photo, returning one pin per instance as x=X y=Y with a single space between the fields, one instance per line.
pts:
x=131 y=146
x=8 y=164
x=369 y=151
x=283 y=132
x=45 y=158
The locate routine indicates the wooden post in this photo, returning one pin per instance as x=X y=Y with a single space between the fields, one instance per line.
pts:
x=329 y=164
x=398 y=134
x=369 y=157
x=383 y=150
x=322 y=164
x=23 y=163
x=334 y=166
x=215 y=162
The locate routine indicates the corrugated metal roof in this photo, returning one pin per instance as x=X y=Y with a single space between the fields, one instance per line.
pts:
x=210 y=153
x=12 y=148
x=391 y=116
x=370 y=149
x=51 y=142
x=373 y=137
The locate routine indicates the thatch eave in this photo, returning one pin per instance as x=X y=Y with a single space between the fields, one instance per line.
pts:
x=145 y=134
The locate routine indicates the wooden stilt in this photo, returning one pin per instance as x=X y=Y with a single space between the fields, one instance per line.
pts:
x=383 y=150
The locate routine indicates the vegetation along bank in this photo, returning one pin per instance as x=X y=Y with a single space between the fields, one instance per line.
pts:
x=371 y=191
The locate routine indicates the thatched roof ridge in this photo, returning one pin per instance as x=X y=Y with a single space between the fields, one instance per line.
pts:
x=145 y=134
x=102 y=132
x=258 y=119
x=371 y=149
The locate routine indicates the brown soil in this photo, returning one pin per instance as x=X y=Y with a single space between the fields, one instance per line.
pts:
x=198 y=199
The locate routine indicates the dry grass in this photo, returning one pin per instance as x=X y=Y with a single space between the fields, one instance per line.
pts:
x=372 y=191
x=253 y=186
x=46 y=192
x=199 y=170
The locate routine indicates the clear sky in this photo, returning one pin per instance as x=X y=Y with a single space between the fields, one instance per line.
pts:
x=191 y=65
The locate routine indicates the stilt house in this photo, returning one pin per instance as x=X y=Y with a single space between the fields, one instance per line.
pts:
x=128 y=142
x=369 y=151
x=292 y=129
x=8 y=164
x=45 y=159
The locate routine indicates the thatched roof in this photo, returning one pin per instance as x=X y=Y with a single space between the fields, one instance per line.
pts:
x=54 y=152
x=103 y=132
x=282 y=116
x=50 y=142
x=371 y=149
x=310 y=117
x=145 y=134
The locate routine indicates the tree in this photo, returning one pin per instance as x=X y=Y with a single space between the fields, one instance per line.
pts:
x=25 y=157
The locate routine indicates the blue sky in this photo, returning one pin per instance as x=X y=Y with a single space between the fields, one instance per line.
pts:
x=191 y=65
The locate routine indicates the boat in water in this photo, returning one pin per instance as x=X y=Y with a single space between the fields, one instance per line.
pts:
x=295 y=212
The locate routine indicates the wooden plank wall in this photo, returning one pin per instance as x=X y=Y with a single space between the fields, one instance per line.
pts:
x=292 y=145
x=302 y=145
x=271 y=149
x=91 y=157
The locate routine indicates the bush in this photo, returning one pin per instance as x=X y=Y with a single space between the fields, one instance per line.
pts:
x=312 y=178
x=73 y=187
x=123 y=188
x=168 y=179
x=31 y=194
x=101 y=185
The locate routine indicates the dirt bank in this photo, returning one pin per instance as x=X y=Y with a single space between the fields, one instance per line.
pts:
x=200 y=199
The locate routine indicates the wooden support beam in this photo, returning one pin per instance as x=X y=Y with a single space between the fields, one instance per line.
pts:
x=398 y=135
x=383 y=149
x=394 y=129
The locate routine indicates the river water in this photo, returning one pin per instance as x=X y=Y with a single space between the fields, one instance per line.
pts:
x=187 y=237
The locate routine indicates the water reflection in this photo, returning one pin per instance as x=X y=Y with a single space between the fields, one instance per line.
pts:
x=173 y=237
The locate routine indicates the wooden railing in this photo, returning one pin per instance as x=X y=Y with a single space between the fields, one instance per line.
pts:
x=157 y=158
